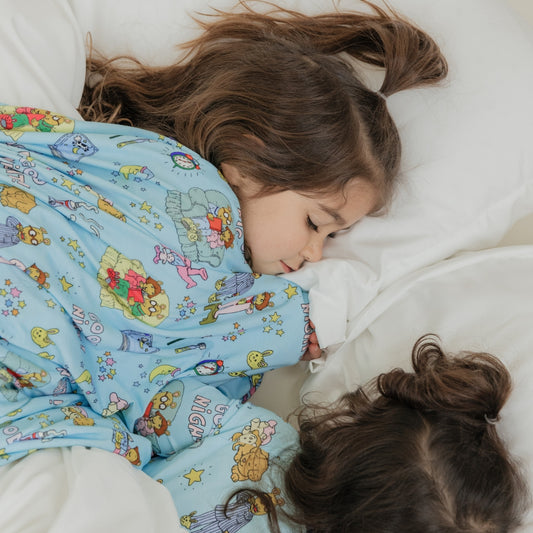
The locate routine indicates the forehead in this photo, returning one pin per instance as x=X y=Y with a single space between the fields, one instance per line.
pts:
x=356 y=199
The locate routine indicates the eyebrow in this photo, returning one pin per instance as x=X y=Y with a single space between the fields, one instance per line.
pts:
x=333 y=214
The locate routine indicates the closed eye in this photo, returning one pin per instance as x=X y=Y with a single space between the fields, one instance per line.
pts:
x=311 y=224
x=340 y=232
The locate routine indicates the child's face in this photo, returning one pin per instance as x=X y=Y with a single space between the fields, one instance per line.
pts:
x=285 y=229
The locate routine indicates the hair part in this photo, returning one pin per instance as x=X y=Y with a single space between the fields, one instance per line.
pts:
x=411 y=452
x=277 y=95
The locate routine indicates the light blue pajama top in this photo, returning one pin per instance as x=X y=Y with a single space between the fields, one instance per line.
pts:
x=129 y=319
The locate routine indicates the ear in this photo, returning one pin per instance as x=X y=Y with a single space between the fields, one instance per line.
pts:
x=232 y=175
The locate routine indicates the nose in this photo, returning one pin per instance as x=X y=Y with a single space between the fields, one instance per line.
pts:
x=313 y=250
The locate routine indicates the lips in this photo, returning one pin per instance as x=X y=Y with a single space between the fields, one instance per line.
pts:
x=287 y=269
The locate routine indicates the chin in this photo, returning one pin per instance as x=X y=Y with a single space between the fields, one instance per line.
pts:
x=266 y=271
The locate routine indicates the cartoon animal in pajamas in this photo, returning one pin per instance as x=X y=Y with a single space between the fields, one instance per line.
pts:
x=258 y=302
x=233 y=286
x=12 y=232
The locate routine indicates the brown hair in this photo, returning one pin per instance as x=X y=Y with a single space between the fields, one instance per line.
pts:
x=277 y=95
x=413 y=452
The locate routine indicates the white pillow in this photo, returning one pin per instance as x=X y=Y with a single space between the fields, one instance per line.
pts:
x=478 y=301
x=43 y=56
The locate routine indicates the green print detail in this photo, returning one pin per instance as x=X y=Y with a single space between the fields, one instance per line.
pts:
x=204 y=224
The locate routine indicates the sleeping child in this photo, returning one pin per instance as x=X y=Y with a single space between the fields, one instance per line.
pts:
x=131 y=261
x=140 y=250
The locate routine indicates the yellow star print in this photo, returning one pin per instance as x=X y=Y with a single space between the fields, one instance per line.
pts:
x=73 y=244
x=65 y=284
x=291 y=291
x=146 y=207
x=194 y=476
x=275 y=317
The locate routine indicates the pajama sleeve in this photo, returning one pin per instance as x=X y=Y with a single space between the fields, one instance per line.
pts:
x=51 y=422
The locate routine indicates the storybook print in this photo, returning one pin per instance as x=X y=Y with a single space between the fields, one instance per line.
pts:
x=122 y=273
x=214 y=482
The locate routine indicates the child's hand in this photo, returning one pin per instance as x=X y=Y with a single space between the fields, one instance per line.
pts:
x=313 y=348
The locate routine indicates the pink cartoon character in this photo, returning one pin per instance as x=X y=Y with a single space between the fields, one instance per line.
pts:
x=183 y=265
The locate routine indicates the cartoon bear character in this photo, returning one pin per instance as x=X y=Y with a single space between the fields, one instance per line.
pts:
x=164 y=399
x=259 y=508
x=78 y=415
x=17 y=198
x=251 y=460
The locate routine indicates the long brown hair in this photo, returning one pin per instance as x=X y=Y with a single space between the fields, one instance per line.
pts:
x=413 y=452
x=277 y=95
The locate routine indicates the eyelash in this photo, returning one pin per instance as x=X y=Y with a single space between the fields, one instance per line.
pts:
x=314 y=227
x=311 y=224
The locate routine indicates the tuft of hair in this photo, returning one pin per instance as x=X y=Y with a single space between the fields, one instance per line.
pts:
x=413 y=452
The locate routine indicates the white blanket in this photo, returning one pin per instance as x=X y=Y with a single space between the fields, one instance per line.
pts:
x=82 y=490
